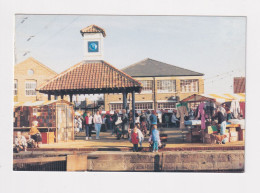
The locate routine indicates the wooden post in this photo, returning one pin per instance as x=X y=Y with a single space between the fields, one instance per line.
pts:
x=124 y=100
x=55 y=97
x=62 y=96
x=133 y=106
x=71 y=98
x=49 y=97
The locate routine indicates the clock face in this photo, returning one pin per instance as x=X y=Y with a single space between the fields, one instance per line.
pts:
x=93 y=46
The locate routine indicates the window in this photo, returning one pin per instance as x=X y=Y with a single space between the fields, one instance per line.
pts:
x=166 y=105
x=30 y=87
x=189 y=85
x=15 y=87
x=147 y=86
x=143 y=106
x=30 y=72
x=115 y=106
x=166 y=86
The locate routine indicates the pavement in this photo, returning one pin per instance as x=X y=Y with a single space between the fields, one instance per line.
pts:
x=107 y=141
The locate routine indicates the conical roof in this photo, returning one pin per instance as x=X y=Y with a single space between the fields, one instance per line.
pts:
x=90 y=77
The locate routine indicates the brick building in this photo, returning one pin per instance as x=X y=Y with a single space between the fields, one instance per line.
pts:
x=27 y=76
x=163 y=85
x=239 y=85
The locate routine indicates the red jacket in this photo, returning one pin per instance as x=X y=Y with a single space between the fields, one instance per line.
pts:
x=134 y=138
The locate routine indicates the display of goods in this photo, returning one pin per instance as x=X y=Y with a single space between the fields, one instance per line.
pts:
x=232 y=129
x=234 y=134
x=212 y=129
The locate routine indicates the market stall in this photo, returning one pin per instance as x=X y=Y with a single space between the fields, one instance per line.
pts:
x=55 y=119
x=204 y=107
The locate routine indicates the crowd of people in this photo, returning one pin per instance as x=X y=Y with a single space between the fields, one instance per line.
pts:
x=121 y=126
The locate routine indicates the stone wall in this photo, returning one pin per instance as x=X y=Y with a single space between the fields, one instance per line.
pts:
x=167 y=161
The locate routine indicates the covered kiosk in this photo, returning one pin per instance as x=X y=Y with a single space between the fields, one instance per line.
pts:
x=55 y=119
x=93 y=75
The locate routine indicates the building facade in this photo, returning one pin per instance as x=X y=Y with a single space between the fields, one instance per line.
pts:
x=163 y=86
x=28 y=75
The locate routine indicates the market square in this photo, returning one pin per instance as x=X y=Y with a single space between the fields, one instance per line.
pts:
x=151 y=115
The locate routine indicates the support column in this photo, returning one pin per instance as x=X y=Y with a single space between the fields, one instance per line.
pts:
x=62 y=96
x=71 y=98
x=55 y=97
x=49 y=97
x=133 y=106
x=124 y=100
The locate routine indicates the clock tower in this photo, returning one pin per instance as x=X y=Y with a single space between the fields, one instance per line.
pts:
x=93 y=37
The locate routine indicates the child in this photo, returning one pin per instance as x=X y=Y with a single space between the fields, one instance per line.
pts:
x=155 y=138
x=134 y=139
x=140 y=136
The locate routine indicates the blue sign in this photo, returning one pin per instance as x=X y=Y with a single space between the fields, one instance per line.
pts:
x=93 y=46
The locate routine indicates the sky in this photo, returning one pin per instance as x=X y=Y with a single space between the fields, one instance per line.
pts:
x=215 y=46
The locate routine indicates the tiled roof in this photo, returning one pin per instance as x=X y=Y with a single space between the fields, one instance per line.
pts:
x=239 y=85
x=152 y=68
x=95 y=76
x=93 y=29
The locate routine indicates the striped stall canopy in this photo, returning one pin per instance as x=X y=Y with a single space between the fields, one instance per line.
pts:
x=227 y=97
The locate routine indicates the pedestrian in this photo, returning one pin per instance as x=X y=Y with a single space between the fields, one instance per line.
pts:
x=167 y=120
x=222 y=122
x=35 y=133
x=76 y=124
x=131 y=120
x=155 y=138
x=108 y=121
x=143 y=123
x=140 y=137
x=134 y=139
x=148 y=114
x=114 y=120
x=97 y=121
x=153 y=120
x=124 y=123
x=174 y=120
x=80 y=123
x=88 y=125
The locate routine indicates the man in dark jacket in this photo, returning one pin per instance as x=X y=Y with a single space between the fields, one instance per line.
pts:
x=114 y=120
x=222 y=122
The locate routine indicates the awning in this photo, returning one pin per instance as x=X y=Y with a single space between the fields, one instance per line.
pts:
x=228 y=97
x=220 y=98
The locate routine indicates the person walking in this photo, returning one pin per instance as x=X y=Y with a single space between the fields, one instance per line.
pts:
x=222 y=122
x=124 y=123
x=108 y=121
x=114 y=118
x=155 y=138
x=148 y=114
x=153 y=120
x=97 y=121
x=80 y=124
x=174 y=120
x=88 y=125
x=140 y=137
x=134 y=139
x=143 y=123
